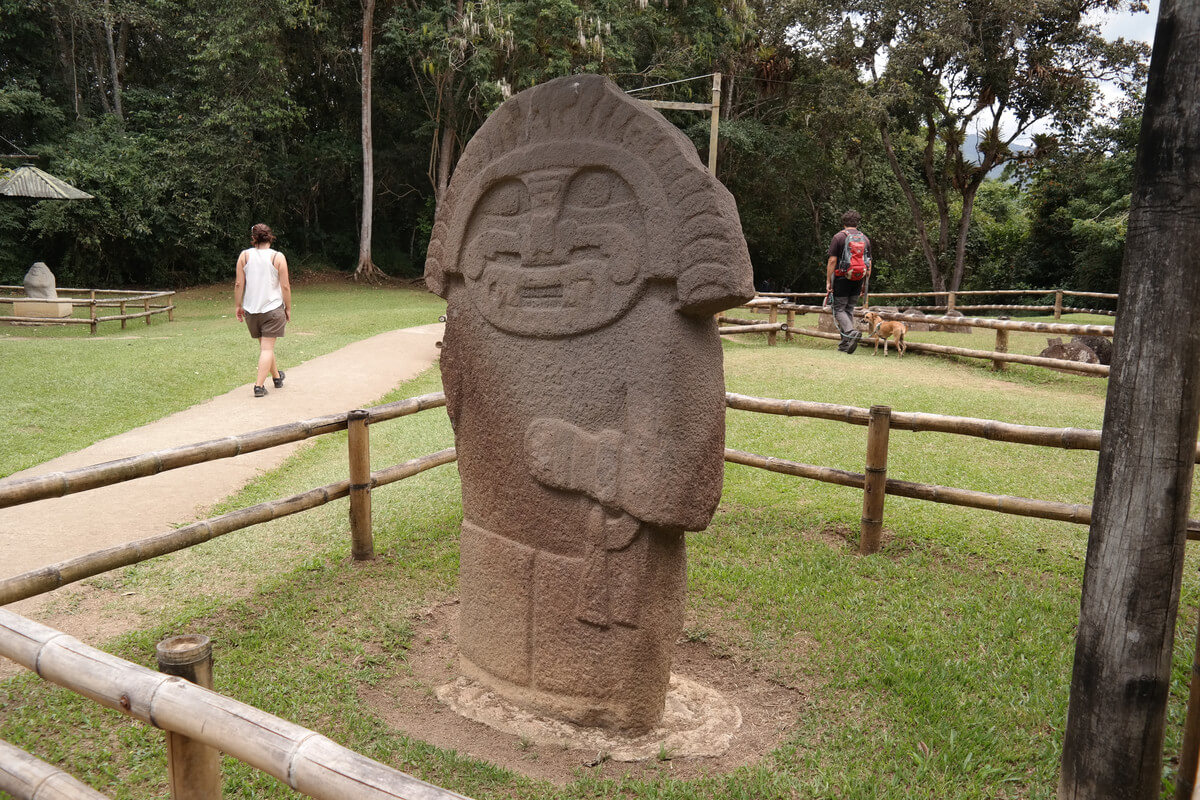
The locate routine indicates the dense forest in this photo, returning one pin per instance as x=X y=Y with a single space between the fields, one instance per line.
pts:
x=971 y=134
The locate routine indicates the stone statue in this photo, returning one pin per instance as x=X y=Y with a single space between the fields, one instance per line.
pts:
x=582 y=250
x=39 y=283
x=41 y=296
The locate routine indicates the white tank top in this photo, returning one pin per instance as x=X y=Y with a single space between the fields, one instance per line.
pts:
x=262 y=282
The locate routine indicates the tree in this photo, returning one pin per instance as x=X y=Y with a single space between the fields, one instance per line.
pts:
x=956 y=71
x=366 y=269
x=1121 y=676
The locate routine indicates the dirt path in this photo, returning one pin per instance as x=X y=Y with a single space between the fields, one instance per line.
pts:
x=49 y=531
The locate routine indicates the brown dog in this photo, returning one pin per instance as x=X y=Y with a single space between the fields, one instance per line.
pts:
x=883 y=330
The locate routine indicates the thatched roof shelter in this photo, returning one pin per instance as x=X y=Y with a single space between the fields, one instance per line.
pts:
x=29 y=181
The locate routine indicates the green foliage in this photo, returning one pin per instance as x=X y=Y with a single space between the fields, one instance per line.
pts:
x=1079 y=201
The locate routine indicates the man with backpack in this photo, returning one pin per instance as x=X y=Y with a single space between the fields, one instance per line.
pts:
x=848 y=266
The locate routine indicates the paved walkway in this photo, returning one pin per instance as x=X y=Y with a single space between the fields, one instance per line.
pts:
x=53 y=530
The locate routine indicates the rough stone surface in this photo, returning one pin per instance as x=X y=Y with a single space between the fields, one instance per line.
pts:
x=1070 y=351
x=915 y=326
x=39 y=283
x=50 y=309
x=1100 y=345
x=825 y=322
x=582 y=250
x=950 y=328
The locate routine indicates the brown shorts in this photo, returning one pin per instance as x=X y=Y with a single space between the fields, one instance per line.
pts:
x=269 y=323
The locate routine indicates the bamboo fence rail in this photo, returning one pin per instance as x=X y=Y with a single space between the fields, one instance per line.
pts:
x=753 y=327
x=1060 y=328
x=57 y=484
x=303 y=759
x=995 y=356
x=1078 y=513
x=48 y=578
x=919 y=421
x=92 y=303
x=28 y=778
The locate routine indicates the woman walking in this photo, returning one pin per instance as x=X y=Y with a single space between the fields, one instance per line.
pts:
x=262 y=295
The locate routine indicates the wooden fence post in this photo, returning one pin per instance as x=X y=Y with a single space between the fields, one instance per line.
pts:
x=93 y=323
x=1058 y=304
x=362 y=544
x=715 y=124
x=875 y=484
x=1001 y=347
x=123 y=320
x=791 y=323
x=194 y=768
x=772 y=317
x=146 y=308
x=950 y=302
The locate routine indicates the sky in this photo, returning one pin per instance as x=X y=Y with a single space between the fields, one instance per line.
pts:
x=1133 y=26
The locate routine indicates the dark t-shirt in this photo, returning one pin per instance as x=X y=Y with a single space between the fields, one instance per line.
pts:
x=844 y=287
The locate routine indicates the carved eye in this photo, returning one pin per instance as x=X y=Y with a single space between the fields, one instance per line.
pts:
x=508 y=198
x=598 y=188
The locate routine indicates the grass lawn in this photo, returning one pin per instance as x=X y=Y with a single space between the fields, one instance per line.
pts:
x=938 y=668
x=61 y=389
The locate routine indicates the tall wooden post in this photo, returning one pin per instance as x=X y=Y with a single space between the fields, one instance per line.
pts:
x=1120 y=682
x=146 y=308
x=123 y=320
x=194 y=768
x=791 y=323
x=716 y=123
x=1058 y=304
x=949 y=302
x=875 y=485
x=1001 y=347
x=772 y=317
x=92 y=306
x=362 y=543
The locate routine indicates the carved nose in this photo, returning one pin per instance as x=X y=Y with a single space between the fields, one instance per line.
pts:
x=542 y=245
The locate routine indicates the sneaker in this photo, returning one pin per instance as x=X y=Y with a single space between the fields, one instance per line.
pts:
x=260 y=391
x=853 y=345
x=279 y=381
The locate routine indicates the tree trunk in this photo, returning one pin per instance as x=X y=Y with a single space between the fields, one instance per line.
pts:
x=445 y=157
x=1121 y=676
x=964 y=228
x=112 y=61
x=366 y=269
x=914 y=207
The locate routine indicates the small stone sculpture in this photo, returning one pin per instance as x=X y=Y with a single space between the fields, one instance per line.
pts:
x=39 y=283
x=41 y=296
x=582 y=250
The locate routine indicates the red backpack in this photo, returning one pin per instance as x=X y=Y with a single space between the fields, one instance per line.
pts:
x=856 y=257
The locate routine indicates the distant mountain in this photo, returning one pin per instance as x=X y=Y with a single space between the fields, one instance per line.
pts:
x=971 y=153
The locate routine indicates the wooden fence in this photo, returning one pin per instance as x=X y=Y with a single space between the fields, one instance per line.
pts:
x=303 y=759
x=951 y=298
x=998 y=356
x=96 y=299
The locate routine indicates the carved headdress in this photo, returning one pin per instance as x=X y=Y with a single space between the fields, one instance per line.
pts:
x=570 y=198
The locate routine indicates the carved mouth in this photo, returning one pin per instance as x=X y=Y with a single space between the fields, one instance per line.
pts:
x=550 y=295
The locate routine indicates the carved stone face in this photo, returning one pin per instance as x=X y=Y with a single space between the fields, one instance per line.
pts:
x=554 y=244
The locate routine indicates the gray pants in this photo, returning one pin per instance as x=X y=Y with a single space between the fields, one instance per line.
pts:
x=843 y=312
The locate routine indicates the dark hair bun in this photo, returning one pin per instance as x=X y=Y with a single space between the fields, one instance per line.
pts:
x=261 y=233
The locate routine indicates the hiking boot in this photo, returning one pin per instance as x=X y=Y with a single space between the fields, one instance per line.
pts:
x=278 y=381
x=845 y=342
x=260 y=391
x=853 y=344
